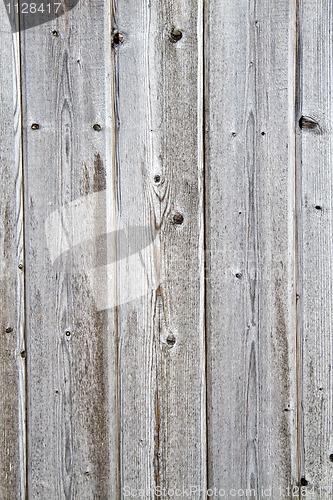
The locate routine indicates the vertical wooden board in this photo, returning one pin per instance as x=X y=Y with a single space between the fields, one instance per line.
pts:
x=159 y=173
x=315 y=183
x=250 y=299
x=72 y=435
x=12 y=367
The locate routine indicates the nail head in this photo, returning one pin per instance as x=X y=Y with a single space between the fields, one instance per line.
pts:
x=35 y=126
x=176 y=35
x=97 y=127
x=118 y=38
x=171 y=340
x=178 y=219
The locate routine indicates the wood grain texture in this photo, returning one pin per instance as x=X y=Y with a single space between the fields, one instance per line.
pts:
x=71 y=373
x=159 y=176
x=12 y=371
x=166 y=251
x=315 y=245
x=250 y=305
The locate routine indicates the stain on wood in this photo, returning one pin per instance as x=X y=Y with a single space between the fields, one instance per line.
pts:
x=99 y=174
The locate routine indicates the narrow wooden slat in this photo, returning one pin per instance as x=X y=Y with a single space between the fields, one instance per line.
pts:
x=159 y=173
x=315 y=210
x=12 y=371
x=71 y=372
x=250 y=300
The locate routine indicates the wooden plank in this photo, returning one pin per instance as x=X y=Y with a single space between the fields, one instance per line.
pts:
x=159 y=185
x=250 y=300
x=12 y=371
x=71 y=371
x=315 y=139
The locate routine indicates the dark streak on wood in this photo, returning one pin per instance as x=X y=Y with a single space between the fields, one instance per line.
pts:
x=251 y=413
x=157 y=441
x=252 y=340
x=67 y=417
x=99 y=174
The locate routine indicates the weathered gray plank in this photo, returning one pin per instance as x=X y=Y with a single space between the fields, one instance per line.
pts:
x=12 y=368
x=315 y=140
x=159 y=175
x=250 y=246
x=72 y=428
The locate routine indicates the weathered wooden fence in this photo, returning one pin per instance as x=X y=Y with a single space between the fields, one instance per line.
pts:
x=166 y=250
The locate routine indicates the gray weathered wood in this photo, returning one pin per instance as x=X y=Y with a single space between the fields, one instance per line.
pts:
x=250 y=302
x=71 y=373
x=106 y=220
x=161 y=338
x=12 y=373
x=315 y=140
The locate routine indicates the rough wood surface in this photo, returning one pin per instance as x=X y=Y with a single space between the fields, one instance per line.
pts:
x=315 y=245
x=140 y=141
x=250 y=302
x=71 y=374
x=159 y=181
x=12 y=368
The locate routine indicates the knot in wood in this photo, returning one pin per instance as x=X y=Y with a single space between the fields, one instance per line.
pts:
x=308 y=123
